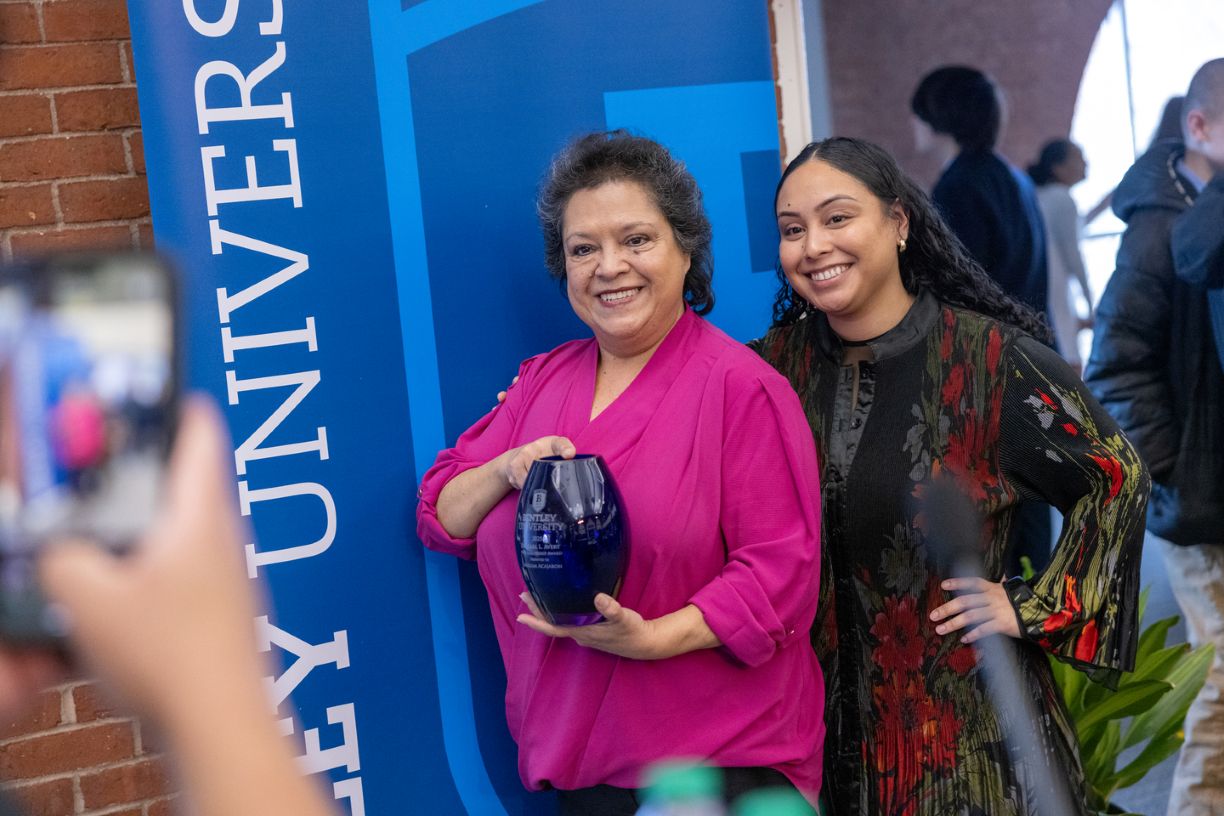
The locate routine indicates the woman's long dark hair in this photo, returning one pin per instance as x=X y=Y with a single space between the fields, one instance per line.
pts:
x=934 y=258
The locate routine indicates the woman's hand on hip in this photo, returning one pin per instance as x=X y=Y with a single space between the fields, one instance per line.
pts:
x=514 y=463
x=981 y=606
x=625 y=633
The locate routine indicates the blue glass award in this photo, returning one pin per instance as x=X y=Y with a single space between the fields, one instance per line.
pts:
x=571 y=537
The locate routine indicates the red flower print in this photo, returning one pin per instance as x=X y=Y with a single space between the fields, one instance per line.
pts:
x=940 y=732
x=1086 y=644
x=1071 y=429
x=1046 y=399
x=902 y=706
x=1112 y=468
x=962 y=660
x=1071 y=608
x=896 y=632
x=994 y=347
x=914 y=734
x=954 y=386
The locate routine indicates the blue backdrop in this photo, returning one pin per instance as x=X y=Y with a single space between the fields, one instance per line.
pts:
x=348 y=190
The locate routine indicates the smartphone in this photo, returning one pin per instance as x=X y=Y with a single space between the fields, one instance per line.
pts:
x=89 y=384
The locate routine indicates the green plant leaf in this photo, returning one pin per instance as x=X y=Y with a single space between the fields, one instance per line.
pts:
x=1101 y=757
x=1153 y=638
x=1135 y=699
x=1158 y=665
x=1187 y=677
x=1155 y=752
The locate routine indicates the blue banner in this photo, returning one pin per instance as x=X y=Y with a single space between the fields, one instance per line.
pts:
x=349 y=192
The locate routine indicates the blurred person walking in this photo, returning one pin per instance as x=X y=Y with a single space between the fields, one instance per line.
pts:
x=992 y=208
x=1058 y=168
x=1154 y=367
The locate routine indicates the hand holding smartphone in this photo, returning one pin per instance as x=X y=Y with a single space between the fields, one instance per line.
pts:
x=89 y=383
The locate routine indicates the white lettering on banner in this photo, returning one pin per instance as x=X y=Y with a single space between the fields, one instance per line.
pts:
x=253 y=191
x=234 y=110
x=230 y=343
x=219 y=28
x=245 y=83
x=318 y=759
x=226 y=303
x=256 y=559
x=309 y=657
x=272 y=28
x=350 y=789
x=249 y=449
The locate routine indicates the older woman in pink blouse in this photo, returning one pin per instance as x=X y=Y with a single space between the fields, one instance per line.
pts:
x=705 y=654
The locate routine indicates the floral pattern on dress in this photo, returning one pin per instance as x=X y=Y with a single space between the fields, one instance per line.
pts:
x=911 y=731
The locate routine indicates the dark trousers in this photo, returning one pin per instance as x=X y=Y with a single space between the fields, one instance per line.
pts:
x=606 y=800
x=1031 y=536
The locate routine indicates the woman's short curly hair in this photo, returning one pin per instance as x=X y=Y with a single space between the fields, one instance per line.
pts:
x=597 y=158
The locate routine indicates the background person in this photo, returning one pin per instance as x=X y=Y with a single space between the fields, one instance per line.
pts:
x=992 y=208
x=705 y=653
x=1154 y=367
x=911 y=363
x=1058 y=168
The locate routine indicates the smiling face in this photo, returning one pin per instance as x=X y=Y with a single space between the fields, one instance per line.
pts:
x=838 y=248
x=624 y=271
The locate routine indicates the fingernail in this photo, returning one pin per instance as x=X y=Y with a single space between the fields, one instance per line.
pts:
x=941 y=629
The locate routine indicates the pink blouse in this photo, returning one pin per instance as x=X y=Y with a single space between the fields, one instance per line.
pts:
x=717 y=470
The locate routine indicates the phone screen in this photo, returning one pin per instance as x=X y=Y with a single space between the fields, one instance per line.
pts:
x=88 y=384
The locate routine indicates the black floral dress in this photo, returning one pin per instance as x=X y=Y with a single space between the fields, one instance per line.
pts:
x=948 y=391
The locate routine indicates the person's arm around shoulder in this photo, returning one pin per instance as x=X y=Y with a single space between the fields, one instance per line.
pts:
x=170 y=628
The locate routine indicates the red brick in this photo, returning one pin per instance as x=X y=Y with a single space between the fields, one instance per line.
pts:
x=59 y=66
x=19 y=23
x=27 y=206
x=39 y=242
x=97 y=109
x=76 y=20
x=41 y=715
x=111 y=200
x=25 y=114
x=45 y=798
x=136 y=144
x=145 y=235
x=89 y=699
x=65 y=751
x=162 y=807
x=58 y=158
x=141 y=780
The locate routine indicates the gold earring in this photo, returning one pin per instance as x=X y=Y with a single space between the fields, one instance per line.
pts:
x=900 y=245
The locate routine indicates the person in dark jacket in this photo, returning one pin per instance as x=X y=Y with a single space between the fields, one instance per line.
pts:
x=1198 y=251
x=990 y=205
x=992 y=208
x=1154 y=367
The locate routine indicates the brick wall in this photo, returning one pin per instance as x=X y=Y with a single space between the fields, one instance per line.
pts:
x=878 y=50
x=72 y=176
x=71 y=158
